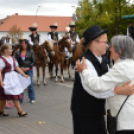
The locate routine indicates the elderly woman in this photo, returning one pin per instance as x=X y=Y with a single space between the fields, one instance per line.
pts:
x=122 y=52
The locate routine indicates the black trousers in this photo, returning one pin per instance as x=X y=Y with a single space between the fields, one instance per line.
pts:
x=89 y=124
x=125 y=132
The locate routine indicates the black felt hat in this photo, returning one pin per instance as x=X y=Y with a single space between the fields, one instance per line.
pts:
x=34 y=27
x=92 y=32
x=54 y=26
x=72 y=24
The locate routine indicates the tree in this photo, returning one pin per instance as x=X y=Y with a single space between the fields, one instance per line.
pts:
x=15 y=33
x=106 y=13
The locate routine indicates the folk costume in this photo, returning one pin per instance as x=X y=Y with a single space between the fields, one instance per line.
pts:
x=34 y=39
x=74 y=39
x=15 y=83
x=87 y=111
x=54 y=36
x=8 y=40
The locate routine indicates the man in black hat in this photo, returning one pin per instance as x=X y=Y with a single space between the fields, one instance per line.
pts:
x=34 y=38
x=88 y=111
x=54 y=36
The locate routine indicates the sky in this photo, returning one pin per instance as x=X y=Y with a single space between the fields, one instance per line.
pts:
x=29 y=7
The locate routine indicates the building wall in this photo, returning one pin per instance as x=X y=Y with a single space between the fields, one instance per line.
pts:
x=43 y=35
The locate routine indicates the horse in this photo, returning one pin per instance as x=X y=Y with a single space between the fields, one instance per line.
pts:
x=42 y=59
x=80 y=49
x=59 y=57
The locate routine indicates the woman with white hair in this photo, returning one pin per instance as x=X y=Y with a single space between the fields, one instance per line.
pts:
x=122 y=52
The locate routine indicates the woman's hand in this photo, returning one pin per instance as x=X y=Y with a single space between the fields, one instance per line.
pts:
x=125 y=89
x=26 y=69
x=2 y=84
x=27 y=76
x=22 y=68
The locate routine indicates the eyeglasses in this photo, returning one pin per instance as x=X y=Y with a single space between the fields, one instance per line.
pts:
x=102 y=42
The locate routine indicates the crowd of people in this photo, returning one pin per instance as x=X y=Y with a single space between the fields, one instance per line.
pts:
x=24 y=59
x=95 y=83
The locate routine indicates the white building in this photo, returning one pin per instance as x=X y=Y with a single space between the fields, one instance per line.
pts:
x=25 y=21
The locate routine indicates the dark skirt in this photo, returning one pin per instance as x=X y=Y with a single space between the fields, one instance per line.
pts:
x=3 y=96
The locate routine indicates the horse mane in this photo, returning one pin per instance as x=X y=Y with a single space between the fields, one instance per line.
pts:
x=50 y=44
x=61 y=40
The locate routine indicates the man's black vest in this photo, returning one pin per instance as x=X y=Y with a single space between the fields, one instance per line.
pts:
x=83 y=103
x=73 y=35
x=34 y=38
x=7 y=40
x=54 y=36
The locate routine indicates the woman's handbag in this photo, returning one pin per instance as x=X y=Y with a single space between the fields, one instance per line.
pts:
x=112 y=121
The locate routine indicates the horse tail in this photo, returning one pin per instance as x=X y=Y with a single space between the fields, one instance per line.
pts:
x=65 y=65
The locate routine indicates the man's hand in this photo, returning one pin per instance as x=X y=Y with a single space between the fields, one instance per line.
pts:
x=81 y=66
x=125 y=89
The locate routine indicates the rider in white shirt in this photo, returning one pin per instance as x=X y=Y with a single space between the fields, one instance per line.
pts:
x=74 y=37
x=8 y=40
x=35 y=36
x=54 y=36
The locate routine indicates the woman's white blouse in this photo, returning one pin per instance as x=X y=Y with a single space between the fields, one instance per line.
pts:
x=120 y=73
x=10 y=61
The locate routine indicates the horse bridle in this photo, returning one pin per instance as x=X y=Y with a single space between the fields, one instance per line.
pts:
x=44 y=50
x=49 y=51
x=59 y=50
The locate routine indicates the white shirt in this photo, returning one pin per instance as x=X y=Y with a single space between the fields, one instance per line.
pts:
x=77 y=37
x=50 y=39
x=10 y=42
x=97 y=94
x=127 y=32
x=30 y=41
x=120 y=73
x=10 y=61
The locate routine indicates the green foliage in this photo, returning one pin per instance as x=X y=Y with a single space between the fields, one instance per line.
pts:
x=105 y=13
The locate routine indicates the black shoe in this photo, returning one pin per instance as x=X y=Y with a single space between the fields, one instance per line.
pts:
x=22 y=115
x=2 y=114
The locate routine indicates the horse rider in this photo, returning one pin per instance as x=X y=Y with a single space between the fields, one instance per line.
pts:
x=54 y=36
x=8 y=40
x=74 y=37
x=34 y=38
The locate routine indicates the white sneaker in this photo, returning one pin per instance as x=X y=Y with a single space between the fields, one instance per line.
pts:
x=33 y=101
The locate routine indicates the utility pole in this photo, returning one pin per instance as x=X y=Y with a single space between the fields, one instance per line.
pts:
x=36 y=14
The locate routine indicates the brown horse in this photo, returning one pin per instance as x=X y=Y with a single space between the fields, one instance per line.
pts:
x=41 y=60
x=80 y=49
x=59 y=57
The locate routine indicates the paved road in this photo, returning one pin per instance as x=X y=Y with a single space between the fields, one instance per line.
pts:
x=52 y=107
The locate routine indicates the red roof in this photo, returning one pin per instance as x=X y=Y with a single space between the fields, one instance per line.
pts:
x=43 y=22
